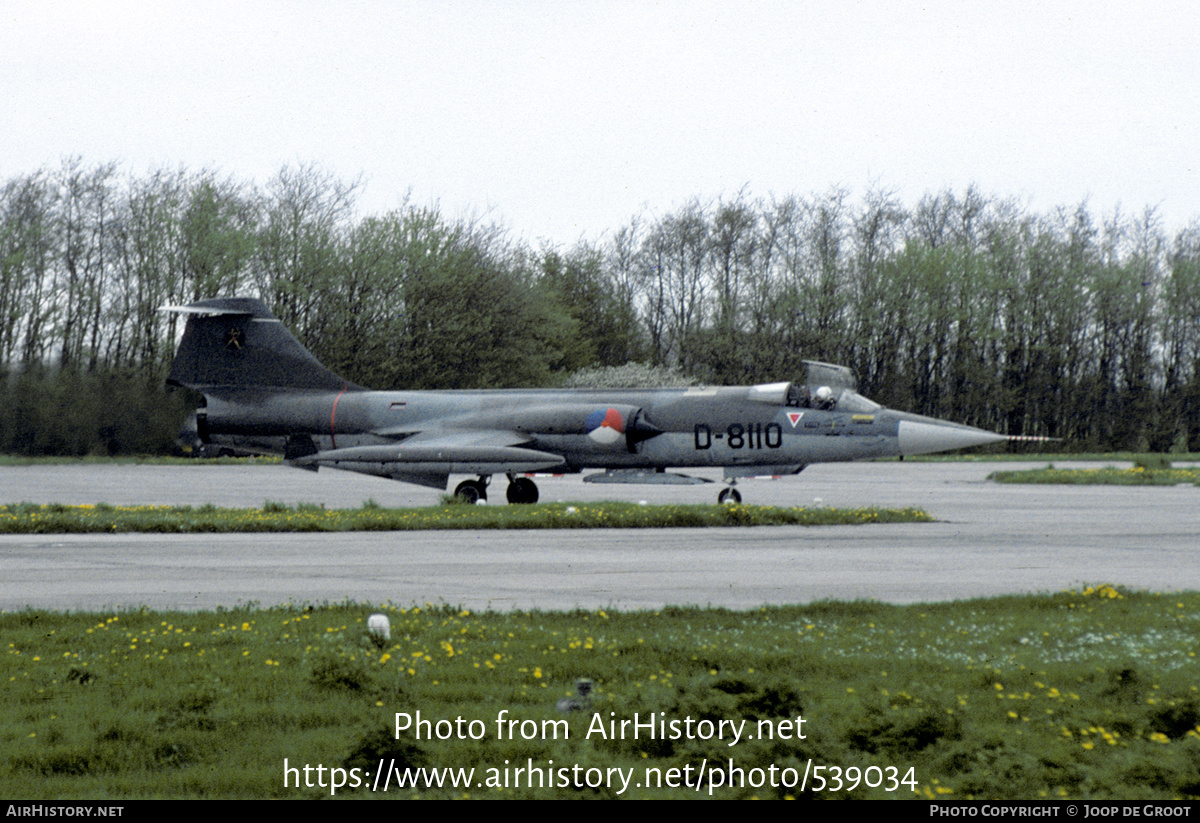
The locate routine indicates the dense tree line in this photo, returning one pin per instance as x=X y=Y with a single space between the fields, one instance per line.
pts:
x=961 y=306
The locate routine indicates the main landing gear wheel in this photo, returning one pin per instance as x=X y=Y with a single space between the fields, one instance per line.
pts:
x=471 y=491
x=522 y=490
x=730 y=495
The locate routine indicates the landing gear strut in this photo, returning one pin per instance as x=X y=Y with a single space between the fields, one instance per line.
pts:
x=472 y=491
x=522 y=490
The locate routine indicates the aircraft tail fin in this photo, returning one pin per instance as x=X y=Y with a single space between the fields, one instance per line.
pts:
x=236 y=342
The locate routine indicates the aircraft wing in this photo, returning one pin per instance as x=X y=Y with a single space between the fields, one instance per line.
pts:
x=428 y=458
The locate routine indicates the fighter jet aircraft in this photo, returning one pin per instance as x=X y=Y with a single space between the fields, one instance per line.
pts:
x=263 y=391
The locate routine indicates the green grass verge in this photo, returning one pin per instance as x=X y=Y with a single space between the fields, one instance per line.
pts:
x=1017 y=457
x=1107 y=476
x=135 y=460
x=55 y=518
x=1082 y=694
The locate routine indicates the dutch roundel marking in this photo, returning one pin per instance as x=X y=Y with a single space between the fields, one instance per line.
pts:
x=794 y=417
x=605 y=425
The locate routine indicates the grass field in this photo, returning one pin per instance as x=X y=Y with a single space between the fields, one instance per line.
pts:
x=1083 y=694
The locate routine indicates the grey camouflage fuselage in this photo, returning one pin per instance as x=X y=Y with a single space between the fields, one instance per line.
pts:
x=263 y=391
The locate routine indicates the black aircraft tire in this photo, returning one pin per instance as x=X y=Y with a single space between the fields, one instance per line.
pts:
x=470 y=491
x=522 y=491
x=729 y=496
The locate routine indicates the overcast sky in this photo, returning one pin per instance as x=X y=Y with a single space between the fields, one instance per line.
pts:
x=565 y=119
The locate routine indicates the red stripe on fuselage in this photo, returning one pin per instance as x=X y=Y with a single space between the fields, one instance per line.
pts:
x=333 y=417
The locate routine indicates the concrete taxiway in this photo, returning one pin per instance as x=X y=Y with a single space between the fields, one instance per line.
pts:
x=990 y=539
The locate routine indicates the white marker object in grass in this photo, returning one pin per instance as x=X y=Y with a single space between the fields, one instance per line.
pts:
x=378 y=625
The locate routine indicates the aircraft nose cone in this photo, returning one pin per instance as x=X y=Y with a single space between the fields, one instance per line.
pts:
x=926 y=438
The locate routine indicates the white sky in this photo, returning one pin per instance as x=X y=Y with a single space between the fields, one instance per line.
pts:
x=565 y=119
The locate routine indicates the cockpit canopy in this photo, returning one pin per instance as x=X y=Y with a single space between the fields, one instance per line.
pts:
x=825 y=386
